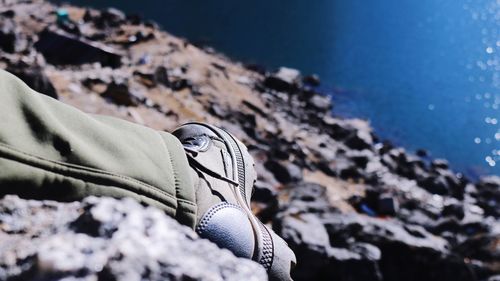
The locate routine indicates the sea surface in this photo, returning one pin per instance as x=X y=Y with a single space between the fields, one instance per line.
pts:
x=425 y=73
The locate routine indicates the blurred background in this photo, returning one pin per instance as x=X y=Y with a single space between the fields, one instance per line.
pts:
x=425 y=73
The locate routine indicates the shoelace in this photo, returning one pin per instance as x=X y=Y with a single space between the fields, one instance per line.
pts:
x=200 y=167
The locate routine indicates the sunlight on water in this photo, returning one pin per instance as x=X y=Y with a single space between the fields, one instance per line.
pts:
x=489 y=14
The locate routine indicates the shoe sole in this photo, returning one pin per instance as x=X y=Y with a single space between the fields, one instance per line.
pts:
x=264 y=243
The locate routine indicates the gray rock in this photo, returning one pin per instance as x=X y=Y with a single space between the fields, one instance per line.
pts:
x=307 y=237
x=288 y=75
x=359 y=262
x=359 y=140
x=284 y=172
x=112 y=17
x=304 y=197
x=440 y=164
x=119 y=92
x=318 y=260
x=408 y=252
x=387 y=205
x=284 y=80
x=107 y=239
x=321 y=103
x=488 y=195
x=11 y=39
x=312 y=80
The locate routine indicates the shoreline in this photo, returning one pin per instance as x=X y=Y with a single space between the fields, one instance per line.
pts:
x=328 y=185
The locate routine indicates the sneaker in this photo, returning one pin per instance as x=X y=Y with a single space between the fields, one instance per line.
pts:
x=224 y=176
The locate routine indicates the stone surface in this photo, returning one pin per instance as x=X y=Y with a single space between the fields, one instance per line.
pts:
x=107 y=239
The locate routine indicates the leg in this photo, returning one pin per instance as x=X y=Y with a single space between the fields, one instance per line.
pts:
x=53 y=151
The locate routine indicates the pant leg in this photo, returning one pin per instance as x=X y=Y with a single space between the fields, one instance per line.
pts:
x=49 y=150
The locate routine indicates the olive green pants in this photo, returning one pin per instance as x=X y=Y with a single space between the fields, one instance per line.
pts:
x=49 y=150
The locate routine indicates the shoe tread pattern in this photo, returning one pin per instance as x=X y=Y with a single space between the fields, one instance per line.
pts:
x=266 y=259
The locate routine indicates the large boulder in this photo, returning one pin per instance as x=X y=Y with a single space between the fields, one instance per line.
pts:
x=409 y=252
x=337 y=246
x=318 y=260
x=61 y=48
x=107 y=239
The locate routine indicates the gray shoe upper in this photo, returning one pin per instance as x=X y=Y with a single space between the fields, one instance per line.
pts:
x=224 y=172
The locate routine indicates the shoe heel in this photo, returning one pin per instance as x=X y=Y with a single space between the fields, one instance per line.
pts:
x=283 y=259
x=227 y=225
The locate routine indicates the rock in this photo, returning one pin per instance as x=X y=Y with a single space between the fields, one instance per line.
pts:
x=305 y=197
x=340 y=167
x=443 y=182
x=119 y=93
x=317 y=260
x=11 y=39
x=455 y=226
x=485 y=248
x=134 y=19
x=107 y=239
x=254 y=108
x=426 y=256
x=321 y=103
x=90 y=15
x=8 y=13
x=440 y=164
x=161 y=76
x=60 y=48
x=34 y=77
x=289 y=75
x=65 y=23
x=217 y=110
x=488 y=195
x=110 y=17
x=360 y=157
x=387 y=205
x=375 y=203
x=265 y=201
x=454 y=209
x=284 y=80
x=422 y=153
x=312 y=80
x=256 y=68
x=359 y=140
x=435 y=184
x=180 y=84
x=307 y=237
x=129 y=39
x=147 y=79
x=284 y=173
x=360 y=261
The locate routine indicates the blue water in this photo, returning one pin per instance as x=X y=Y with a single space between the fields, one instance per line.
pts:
x=425 y=73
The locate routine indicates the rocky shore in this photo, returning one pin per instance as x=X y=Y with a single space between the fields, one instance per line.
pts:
x=352 y=206
x=107 y=239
